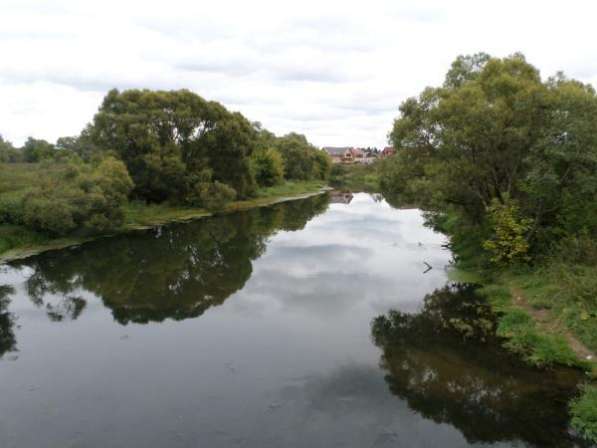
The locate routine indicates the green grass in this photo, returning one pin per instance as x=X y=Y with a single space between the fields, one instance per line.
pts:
x=523 y=336
x=19 y=177
x=569 y=292
x=562 y=294
x=12 y=236
x=584 y=413
x=539 y=349
x=290 y=188
x=463 y=276
x=139 y=214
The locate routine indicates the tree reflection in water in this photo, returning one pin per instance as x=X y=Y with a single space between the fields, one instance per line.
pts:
x=446 y=363
x=176 y=271
x=8 y=342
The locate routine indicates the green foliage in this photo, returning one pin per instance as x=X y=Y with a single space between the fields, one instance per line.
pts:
x=498 y=296
x=537 y=348
x=568 y=291
x=74 y=197
x=521 y=333
x=584 y=413
x=35 y=150
x=290 y=188
x=80 y=146
x=494 y=132
x=16 y=236
x=167 y=139
x=229 y=148
x=8 y=153
x=169 y=147
x=508 y=243
x=214 y=195
x=302 y=161
x=322 y=165
x=11 y=208
x=268 y=167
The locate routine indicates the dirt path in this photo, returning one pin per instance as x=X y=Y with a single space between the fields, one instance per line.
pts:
x=550 y=324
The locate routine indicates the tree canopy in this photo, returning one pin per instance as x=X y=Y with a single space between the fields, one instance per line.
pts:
x=153 y=146
x=172 y=140
x=495 y=137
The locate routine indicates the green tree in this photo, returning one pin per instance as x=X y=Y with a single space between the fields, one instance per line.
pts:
x=229 y=148
x=494 y=132
x=36 y=150
x=322 y=164
x=560 y=189
x=167 y=138
x=8 y=153
x=268 y=167
x=302 y=160
x=508 y=242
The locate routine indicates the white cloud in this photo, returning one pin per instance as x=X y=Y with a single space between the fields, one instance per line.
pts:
x=334 y=70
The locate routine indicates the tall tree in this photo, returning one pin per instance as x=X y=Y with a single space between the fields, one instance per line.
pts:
x=170 y=140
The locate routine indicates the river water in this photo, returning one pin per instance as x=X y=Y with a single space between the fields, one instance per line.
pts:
x=313 y=323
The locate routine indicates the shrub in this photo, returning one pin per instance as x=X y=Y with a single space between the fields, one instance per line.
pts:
x=11 y=209
x=584 y=413
x=508 y=243
x=48 y=213
x=81 y=197
x=322 y=165
x=268 y=167
x=302 y=160
x=214 y=195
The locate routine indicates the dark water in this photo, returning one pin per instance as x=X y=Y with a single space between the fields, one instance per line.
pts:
x=268 y=328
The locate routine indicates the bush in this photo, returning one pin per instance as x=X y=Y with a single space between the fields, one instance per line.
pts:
x=48 y=213
x=214 y=195
x=268 y=167
x=508 y=243
x=79 y=197
x=11 y=209
x=302 y=160
x=584 y=413
x=322 y=165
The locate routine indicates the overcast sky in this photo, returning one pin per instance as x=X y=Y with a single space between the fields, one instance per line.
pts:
x=333 y=70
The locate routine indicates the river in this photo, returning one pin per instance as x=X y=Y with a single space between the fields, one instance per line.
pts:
x=311 y=323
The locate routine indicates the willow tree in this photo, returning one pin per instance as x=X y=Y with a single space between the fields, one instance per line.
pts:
x=172 y=140
x=495 y=137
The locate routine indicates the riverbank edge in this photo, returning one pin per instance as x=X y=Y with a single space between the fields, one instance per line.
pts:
x=165 y=216
x=538 y=343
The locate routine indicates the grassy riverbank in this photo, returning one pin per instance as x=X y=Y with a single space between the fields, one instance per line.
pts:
x=547 y=314
x=18 y=241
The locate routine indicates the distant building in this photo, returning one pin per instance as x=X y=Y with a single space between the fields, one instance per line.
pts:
x=340 y=154
x=358 y=155
x=349 y=154
x=371 y=155
x=387 y=152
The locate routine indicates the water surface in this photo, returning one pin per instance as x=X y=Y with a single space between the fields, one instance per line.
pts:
x=305 y=324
